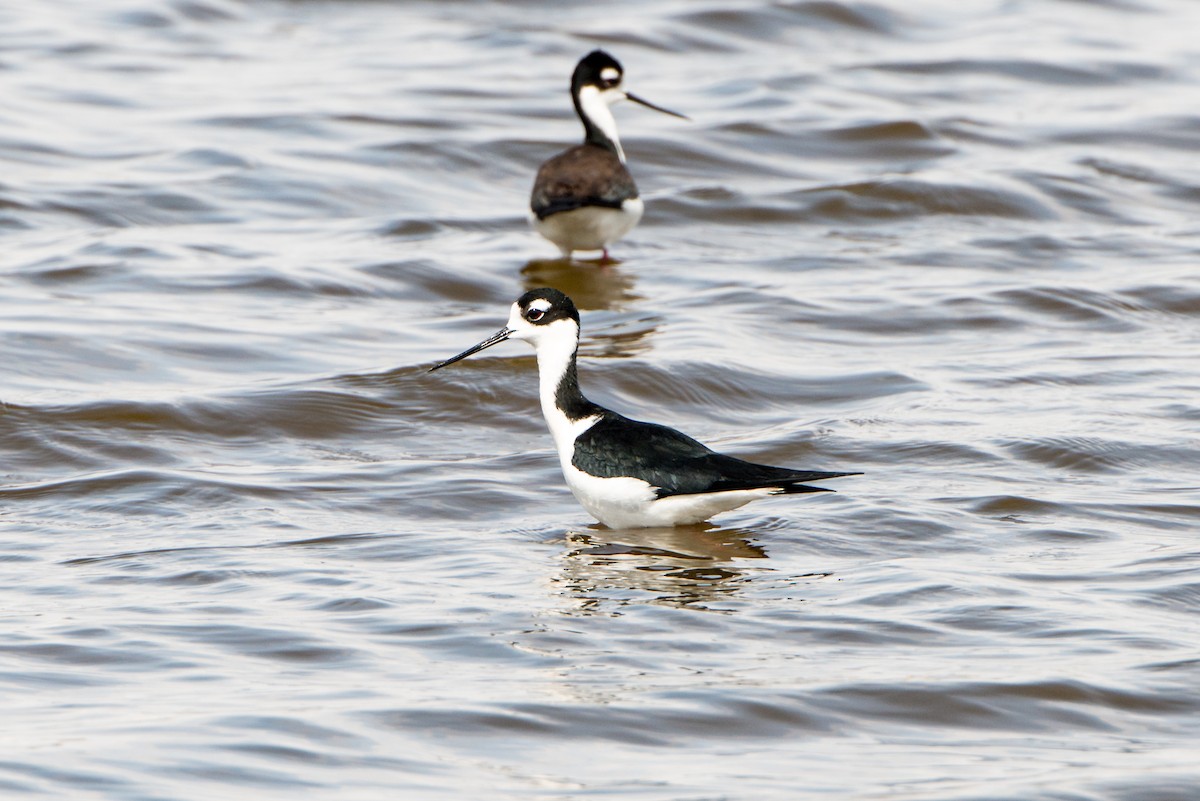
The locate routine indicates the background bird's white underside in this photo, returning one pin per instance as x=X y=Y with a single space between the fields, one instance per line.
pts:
x=590 y=227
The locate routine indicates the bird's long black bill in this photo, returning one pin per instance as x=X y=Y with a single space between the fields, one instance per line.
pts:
x=648 y=104
x=494 y=339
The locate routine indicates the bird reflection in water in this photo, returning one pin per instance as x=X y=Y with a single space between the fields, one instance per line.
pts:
x=686 y=566
x=590 y=288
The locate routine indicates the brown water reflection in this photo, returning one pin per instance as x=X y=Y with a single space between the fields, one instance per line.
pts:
x=591 y=286
x=689 y=566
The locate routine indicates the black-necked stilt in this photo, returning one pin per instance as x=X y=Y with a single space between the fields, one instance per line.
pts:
x=584 y=198
x=628 y=474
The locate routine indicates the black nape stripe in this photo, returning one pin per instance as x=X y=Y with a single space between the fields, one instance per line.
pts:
x=569 y=398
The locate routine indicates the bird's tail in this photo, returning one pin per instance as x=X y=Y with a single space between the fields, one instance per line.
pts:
x=796 y=483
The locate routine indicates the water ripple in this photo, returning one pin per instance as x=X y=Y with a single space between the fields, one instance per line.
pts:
x=251 y=547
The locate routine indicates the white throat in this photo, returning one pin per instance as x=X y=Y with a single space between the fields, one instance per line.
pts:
x=554 y=354
x=595 y=107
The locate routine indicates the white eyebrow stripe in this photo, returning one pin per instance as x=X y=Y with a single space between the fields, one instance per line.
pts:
x=541 y=304
x=609 y=74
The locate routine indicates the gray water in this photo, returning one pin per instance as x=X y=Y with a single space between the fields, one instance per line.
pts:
x=250 y=549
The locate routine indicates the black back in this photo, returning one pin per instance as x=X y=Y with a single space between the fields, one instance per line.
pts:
x=585 y=175
x=676 y=464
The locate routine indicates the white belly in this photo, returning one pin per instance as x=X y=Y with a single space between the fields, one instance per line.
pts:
x=631 y=502
x=590 y=227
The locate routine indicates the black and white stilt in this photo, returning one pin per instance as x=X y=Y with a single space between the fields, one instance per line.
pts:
x=625 y=473
x=584 y=198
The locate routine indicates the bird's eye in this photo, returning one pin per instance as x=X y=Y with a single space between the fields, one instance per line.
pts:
x=533 y=315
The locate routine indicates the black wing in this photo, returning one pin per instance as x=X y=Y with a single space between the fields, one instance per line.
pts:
x=586 y=175
x=676 y=464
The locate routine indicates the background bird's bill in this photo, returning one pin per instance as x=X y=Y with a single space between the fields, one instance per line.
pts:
x=648 y=104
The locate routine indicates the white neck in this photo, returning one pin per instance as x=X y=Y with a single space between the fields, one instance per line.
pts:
x=595 y=108
x=554 y=354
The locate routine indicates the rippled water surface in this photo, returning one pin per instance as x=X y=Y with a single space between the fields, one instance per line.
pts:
x=250 y=549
